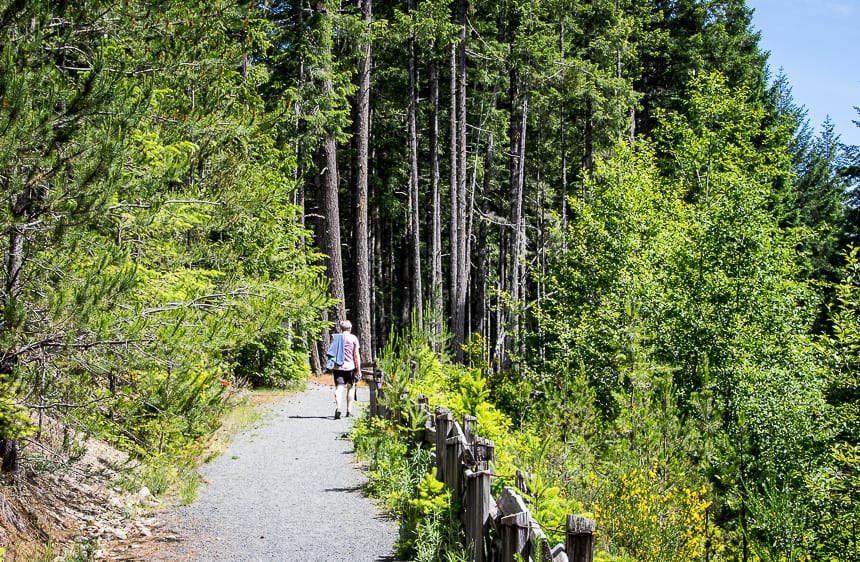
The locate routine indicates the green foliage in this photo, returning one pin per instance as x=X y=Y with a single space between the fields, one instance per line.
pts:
x=675 y=293
x=512 y=394
x=836 y=482
x=14 y=420
x=430 y=529
x=189 y=484
x=395 y=470
x=471 y=392
x=158 y=237
x=549 y=506
x=400 y=475
x=266 y=361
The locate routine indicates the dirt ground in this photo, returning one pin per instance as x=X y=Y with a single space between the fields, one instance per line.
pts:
x=56 y=505
x=54 y=502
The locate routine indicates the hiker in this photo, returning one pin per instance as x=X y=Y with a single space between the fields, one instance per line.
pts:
x=347 y=367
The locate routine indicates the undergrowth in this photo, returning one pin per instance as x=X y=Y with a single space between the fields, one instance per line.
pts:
x=645 y=507
x=401 y=475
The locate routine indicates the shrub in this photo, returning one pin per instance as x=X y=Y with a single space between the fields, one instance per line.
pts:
x=268 y=361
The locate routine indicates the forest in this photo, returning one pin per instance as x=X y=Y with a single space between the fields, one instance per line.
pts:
x=605 y=227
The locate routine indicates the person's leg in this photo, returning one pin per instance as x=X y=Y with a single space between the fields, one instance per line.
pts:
x=338 y=392
x=350 y=399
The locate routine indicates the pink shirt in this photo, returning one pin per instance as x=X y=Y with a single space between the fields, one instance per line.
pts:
x=350 y=346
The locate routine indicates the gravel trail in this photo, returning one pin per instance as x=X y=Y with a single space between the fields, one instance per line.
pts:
x=287 y=489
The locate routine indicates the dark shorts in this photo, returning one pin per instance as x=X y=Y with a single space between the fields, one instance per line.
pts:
x=344 y=377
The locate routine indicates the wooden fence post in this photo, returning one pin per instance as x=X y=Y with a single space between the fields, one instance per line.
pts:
x=579 y=539
x=485 y=453
x=521 y=482
x=453 y=461
x=469 y=425
x=375 y=384
x=515 y=529
x=444 y=421
x=478 y=505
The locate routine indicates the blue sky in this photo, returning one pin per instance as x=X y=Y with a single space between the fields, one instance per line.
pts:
x=817 y=45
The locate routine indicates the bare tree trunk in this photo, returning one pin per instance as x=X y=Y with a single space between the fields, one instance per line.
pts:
x=362 y=255
x=479 y=282
x=588 y=159
x=563 y=132
x=479 y=286
x=414 y=220
x=379 y=312
x=519 y=113
x=462 y=258
x=24 y=209
x=453 y=161
x=436 y=230
x=327 y=183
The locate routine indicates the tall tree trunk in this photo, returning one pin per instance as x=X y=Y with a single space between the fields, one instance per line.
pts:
x=362 y=255
x=462 y=283
x=563 y=134
x=414 y=220
x=327 y=182
x=517 y=128
x=452 y=180
x=436 y=211
x=315 y=345
x=479 y=285
x=380 y=314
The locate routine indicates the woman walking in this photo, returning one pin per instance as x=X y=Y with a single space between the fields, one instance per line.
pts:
x=347 y=373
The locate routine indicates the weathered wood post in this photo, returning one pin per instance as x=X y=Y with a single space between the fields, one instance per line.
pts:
x=521 y=482
x=453 y=461
x=485 y=453
x=470 y=423
x=478 y=506
x=444 y=422
x=424 y=403
x=429 y=420
x=375 y=383
x=579 y=539
x=515 y=535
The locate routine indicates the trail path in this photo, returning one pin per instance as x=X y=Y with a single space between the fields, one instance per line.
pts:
x=286 y=489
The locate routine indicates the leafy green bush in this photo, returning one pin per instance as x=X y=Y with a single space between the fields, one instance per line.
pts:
x=430 y=530
x=267 y=361
x=401 y=474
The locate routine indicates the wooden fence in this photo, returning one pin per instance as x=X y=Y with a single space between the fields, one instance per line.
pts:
x=495 y=530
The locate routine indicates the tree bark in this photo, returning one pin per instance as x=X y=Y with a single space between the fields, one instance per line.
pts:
x=327 y=181
x=517 y=128
x=563 y=139
x=462 y=278
x=453 y=161
x=414 y=219
x=479 y=285
x=362 y=254
x=436 y=299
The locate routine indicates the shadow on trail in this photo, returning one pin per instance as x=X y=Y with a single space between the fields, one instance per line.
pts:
x=312 y=418
x=349 y=489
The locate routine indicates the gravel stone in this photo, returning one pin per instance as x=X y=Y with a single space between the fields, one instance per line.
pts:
x=288 y=489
